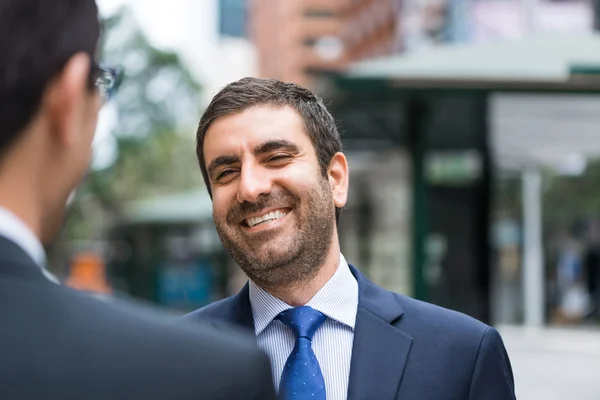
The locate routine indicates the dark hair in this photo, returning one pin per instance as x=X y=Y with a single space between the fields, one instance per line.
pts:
x=37 y=38
x=249 y=92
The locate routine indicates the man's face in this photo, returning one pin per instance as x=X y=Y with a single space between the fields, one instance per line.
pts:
x=273 y=208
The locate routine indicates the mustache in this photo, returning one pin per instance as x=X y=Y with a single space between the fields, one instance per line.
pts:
x=272 y=200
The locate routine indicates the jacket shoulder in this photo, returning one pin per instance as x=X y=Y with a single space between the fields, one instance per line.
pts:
x=120 y=338
x=426 y=317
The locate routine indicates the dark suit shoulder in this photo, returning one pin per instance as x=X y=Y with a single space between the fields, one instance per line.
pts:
x=144 y=327
x=437 y=315
x=113 y=349
x=429 y=323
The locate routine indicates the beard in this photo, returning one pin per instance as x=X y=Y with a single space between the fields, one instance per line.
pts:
x=274 y=259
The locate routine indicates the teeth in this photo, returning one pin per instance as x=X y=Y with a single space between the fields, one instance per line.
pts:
x=267 y=217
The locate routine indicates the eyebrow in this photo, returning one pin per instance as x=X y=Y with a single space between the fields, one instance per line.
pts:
x=220 y=161
x=273 y=145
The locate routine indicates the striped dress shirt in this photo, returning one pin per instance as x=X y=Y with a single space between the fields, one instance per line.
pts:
x=332 y=343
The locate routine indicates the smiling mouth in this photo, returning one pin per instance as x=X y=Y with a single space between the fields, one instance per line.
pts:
x=270 y=216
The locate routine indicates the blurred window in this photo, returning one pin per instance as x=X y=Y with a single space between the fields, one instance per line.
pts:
x=233 y=16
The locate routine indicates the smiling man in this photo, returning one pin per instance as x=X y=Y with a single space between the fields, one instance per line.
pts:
x=271 y=158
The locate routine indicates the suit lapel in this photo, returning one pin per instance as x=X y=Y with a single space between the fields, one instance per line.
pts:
x=238 y=311
x=380 y=350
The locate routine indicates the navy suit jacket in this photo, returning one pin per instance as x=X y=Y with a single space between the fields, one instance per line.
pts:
x=405 y=349
x=57 y=343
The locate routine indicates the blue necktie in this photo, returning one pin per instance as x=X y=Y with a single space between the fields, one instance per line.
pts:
x=301 y=377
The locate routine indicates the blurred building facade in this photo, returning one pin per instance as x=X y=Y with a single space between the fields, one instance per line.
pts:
x=287 y=35
x=296 y=38
x=218 y=47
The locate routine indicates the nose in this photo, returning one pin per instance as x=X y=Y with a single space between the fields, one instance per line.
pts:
x=253 y=183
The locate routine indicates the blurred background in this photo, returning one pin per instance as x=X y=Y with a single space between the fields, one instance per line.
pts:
x=472 y=129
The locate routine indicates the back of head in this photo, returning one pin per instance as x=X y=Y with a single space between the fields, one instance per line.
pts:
x=49 y=105
x=37 y=38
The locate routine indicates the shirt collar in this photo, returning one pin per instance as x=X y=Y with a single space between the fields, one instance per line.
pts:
x=337 y=299
x=12 y=228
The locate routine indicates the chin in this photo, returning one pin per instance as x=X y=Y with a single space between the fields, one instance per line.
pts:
x=277 y=252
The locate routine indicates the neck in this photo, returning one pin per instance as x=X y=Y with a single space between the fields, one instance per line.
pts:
x=297 y=295
x=20 y=193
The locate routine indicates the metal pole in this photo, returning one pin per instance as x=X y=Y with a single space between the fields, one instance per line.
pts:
x=596 y=14
x=533 y=261
x=530 y=10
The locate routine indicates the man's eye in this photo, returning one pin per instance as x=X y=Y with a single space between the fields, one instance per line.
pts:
x=279 y=157
x=223 y=174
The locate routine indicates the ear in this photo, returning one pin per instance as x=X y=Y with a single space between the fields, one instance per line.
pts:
x=65 y=99
x=338 y=175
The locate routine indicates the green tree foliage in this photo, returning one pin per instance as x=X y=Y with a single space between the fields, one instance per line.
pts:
x=152 y=139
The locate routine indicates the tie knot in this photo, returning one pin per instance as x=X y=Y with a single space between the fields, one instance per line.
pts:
x=304 y=321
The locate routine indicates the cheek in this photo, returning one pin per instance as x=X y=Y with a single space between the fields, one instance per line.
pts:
x=220 y=207
x=299 y=180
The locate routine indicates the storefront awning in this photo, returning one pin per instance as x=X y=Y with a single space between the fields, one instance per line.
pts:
x=551 y=60
x=544 y=92
x=557 y=131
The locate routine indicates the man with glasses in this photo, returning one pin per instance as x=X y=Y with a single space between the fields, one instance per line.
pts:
x=56 y=343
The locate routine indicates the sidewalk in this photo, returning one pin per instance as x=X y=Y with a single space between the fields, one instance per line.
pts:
x=554 y=363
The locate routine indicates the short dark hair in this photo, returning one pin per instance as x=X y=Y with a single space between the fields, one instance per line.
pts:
x=37 y=38
x=250 y=92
